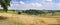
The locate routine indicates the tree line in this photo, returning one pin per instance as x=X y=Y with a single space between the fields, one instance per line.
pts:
x=39 y=12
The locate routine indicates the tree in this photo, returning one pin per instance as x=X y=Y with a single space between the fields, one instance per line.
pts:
x=5 y=4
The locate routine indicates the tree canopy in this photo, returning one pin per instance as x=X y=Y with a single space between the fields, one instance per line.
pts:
x=5 y=4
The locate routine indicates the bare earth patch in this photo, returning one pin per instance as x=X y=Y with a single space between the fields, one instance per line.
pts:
x=15 y=19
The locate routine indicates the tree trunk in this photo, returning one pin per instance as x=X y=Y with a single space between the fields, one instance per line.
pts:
x=5 y=9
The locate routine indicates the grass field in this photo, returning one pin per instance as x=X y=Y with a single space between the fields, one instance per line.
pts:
x=15 y=19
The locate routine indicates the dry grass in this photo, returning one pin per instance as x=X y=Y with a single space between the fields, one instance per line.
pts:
x=15 y=19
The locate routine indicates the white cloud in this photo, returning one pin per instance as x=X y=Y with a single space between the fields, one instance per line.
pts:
x=48 y=0
x=15 y=2
x=21 y=2
x=14 y=6
x=59 y=4
x=36 y=4
x=11 y=4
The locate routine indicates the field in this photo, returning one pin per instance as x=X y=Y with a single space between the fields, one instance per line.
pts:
x=15 y=19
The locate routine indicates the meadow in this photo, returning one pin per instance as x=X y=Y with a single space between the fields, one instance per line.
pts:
x=12 y=18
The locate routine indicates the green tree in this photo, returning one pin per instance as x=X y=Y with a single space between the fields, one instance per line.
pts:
x=5 y=4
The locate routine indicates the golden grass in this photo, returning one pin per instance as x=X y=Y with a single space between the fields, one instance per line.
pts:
x=15 y=19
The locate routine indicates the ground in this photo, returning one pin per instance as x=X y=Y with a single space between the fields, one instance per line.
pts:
x=15 y=19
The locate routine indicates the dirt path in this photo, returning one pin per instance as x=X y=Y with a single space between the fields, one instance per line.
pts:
x=15 y=19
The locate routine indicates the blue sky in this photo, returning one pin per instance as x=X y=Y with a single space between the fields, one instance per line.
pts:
x=35 y=4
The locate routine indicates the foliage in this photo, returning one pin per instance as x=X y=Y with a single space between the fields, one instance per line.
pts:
x=19 y=12
x=51 y=11
x=5 y=4
x=34 y=12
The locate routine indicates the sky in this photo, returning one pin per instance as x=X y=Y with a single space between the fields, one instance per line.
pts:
x=35 y=4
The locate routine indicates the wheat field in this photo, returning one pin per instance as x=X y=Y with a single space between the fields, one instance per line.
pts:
x=15 y=19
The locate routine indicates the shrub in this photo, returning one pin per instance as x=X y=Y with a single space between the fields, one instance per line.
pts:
x=19 y=12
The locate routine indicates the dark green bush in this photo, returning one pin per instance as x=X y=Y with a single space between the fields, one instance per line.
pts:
x=19 y=12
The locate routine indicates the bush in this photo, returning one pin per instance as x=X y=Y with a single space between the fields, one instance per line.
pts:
x=19 y=12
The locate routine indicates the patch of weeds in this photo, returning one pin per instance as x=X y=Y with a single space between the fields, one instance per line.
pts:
x=39 y=22
x=2 y=18
x=36 y=23
x=18 y=23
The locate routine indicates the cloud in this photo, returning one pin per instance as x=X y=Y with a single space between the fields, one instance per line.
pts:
x=21 y=2
x=14 y=6
x=36 y=4
x=45 y=4
x=31 y=6
x=49 y=0
x=59 y=4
